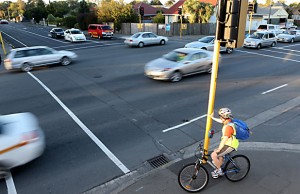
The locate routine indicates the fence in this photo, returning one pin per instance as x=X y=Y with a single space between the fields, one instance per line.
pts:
x=174 y=30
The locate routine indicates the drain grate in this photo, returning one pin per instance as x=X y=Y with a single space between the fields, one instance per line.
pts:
x=158 y=161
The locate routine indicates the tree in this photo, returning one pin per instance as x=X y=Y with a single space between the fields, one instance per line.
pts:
x=200 y=12
x=169 y=3
x=159 y=18
x=117 y=12
x=155 y=2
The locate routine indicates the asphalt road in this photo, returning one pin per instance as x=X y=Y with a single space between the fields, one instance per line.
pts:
x=104 y=93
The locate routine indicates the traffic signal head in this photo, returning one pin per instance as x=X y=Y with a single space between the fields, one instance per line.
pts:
x=142 y=11
x=232 y=28
x=250 y=7
x=179 y=10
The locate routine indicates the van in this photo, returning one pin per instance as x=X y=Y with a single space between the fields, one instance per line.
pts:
x=100 y=31
x=270 y=27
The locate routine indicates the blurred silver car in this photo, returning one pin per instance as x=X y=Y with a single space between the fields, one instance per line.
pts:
x=178 y=63
x=141 y=39
x=289 y=36
x=28 y=57
x=207 y=43
x=21 y=139
x=260 y=39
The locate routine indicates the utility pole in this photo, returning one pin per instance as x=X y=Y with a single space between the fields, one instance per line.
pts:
x=269 y=20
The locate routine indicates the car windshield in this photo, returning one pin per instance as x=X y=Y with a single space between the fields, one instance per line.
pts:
x=293 y=32
x=206 y=39
x=75 y=32
x=58 y=30
x=256 y=35
x=175 y=56
x=106 y=28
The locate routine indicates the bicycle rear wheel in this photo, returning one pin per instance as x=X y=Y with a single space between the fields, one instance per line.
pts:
x=238 y=168
x=193 y=177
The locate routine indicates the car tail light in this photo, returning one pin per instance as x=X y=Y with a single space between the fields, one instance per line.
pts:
x=7 y=61
x=130 y=40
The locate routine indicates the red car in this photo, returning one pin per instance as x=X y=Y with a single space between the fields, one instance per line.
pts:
x=100 y=31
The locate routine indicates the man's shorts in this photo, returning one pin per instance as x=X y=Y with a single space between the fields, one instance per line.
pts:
x=225 y=150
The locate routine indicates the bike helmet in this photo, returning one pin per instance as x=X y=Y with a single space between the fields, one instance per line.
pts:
x=225 y=113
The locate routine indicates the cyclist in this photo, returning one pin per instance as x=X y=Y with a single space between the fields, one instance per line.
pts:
x=228 y=142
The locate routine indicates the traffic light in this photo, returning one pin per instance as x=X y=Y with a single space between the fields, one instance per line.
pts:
x=142 y=11
x=179 y=10
x=250 y=7
x=235 y=22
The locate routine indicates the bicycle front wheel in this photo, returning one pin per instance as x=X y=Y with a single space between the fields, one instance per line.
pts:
x=193 y=177
x=238 y=168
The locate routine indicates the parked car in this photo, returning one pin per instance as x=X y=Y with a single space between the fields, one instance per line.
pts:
x=289 y=36
x=74 y=35
x=3 y=22
x=57 y=33
x=178 y=63
x=260 y=39
x=28 y=57
x=100 y=31
x=207 y=43
x=141 y=39
x=21 y=139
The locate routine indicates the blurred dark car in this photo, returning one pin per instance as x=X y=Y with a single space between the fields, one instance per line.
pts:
x=21 y=139
x=57 y=33
x=3 y=22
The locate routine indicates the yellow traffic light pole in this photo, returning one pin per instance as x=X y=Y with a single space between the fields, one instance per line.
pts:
x=212 y=92
x=3 y=46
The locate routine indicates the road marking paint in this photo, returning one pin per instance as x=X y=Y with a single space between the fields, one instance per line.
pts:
x=274 y=89
x=183 y=124
x=84 y=128
x=15 y=39
x=78 y=48
x=10 y=184
x=289 y=45
x=280 y=48
x=269 y=56
x=285 y=52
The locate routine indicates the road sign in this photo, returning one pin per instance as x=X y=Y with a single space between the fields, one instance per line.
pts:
x=184 y=26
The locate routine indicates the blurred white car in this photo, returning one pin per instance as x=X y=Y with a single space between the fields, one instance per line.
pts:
x=21 y=139
x=289 y=36
x=178 y=63
x=141 y=39
x=74 y=35
x=28 y=57
x=207 y=43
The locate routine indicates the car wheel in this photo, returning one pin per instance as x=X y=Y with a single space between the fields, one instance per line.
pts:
x=26 y=67
x=292 y=40
x=258 y=46
x=55 y=35
x=65 y=61
x=204 y=48
x=162 y=42
x=229 y=50
x=176 y=76
x=273 y=44
x=141 y=44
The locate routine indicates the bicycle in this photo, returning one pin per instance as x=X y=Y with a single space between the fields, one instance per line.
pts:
x=194 y=177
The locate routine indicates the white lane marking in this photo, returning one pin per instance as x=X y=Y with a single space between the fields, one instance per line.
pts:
x=78 y=48
x=10 y=184
x=84 y=128
x=280 y=48
x=269 y=56
x=289 y=45
x=15 y=39
x=285 y=52
x=183 y=124
x=274 y=89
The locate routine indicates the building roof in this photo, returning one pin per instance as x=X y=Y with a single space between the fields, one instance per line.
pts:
x=266 y=10
x=174 y=8
x=148 y=9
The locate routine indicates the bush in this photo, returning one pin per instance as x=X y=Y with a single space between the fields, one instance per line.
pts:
x=51 y=19
x=59 y=21
x=69 y=21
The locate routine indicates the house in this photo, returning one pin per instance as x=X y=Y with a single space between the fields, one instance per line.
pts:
x=296 y=13
x=272 y=14
x=171 y=15
x=149 y=11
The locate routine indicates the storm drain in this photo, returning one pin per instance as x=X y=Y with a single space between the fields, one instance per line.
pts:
x=158 y=161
